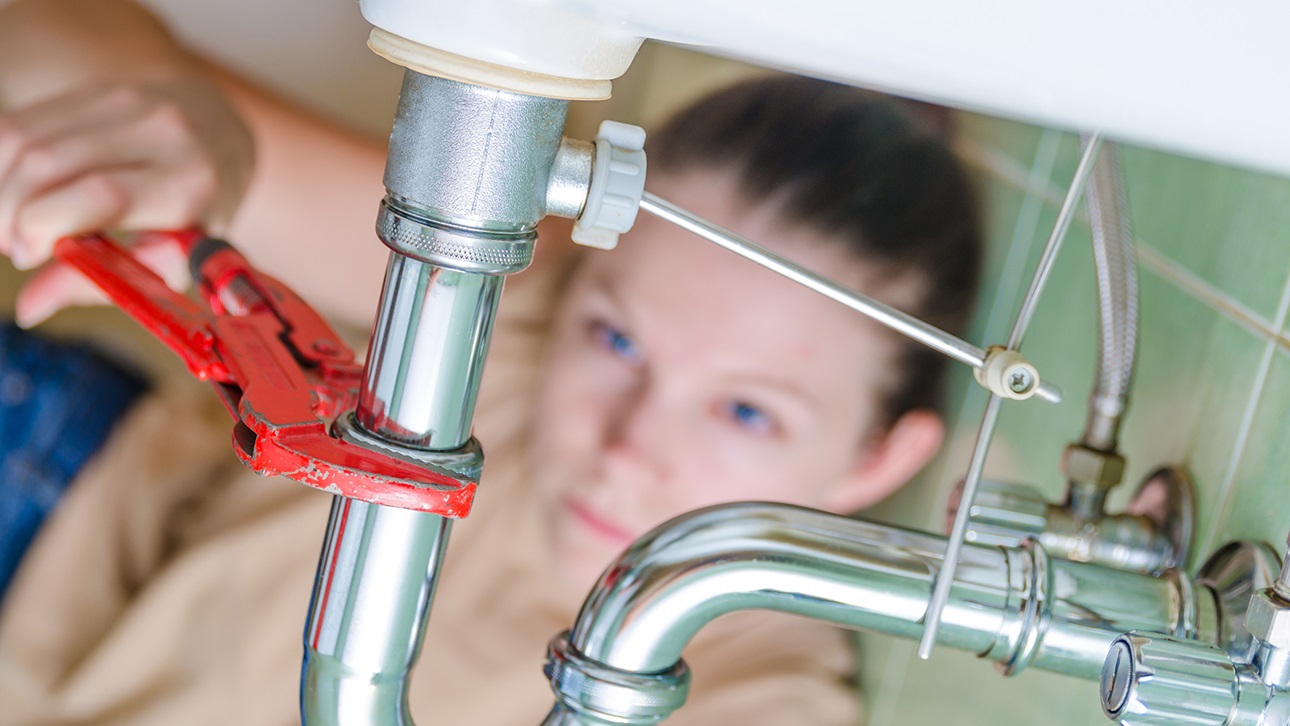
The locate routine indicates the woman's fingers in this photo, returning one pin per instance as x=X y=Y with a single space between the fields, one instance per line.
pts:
x=135 y=197
x=93 y=201
x=76 y=112
x=156 y=144
x=161 y=156
x=57 y=286
x=46 y=163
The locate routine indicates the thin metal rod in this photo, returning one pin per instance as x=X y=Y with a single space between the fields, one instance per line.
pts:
x=945 y=579
x=1064 y=218
x=903 y=323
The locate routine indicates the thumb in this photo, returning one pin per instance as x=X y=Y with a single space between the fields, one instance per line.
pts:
x=51 y=289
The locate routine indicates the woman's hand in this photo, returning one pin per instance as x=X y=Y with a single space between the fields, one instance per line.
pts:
x=109 y=122
x=161 y=154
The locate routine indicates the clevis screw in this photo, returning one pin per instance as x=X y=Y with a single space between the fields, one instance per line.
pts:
x=1020 y=381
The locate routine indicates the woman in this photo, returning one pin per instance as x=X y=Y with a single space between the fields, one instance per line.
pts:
x=170 y=586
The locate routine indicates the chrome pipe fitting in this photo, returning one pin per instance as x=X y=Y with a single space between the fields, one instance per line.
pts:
x=372 y=593
x=467 y=182
x=412 y=233
x=1241 y=679
x=465 y=463
x=587 y=690
x=475 y=157
x=427 y=354
x=1005 y=514
x=566 y=189
x=1156 y=680
x=1014 y=606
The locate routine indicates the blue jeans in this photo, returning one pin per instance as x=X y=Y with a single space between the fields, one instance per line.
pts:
x=58 y=402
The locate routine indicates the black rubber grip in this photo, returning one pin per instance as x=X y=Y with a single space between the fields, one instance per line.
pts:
x=201 y=252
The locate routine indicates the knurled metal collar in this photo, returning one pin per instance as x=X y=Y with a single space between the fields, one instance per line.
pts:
x=452 y=247
x=615 y=696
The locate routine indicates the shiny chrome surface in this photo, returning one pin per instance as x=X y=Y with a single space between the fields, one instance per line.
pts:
x=907 y=325
x=427 y=354
x=1004 y=514
x=1234 y=574
x=1156 y=680
x=1155 y=539
x=601 y=692
x=566 y=190
x=1014 y=607
x=376 y=580
x=379 y=565
x=1236 y=678
x=467 y=182
x=412 y=232
x=472 y=156
x=1268 y=620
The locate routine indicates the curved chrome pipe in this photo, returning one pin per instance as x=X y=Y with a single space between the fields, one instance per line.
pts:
x=1011 y=606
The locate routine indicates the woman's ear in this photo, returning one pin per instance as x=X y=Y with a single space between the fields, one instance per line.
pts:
x=888 y=463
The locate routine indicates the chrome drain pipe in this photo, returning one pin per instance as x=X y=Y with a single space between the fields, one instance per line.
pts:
x=467 y=181
x=621 y=662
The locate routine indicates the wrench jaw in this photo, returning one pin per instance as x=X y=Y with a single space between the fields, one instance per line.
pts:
x=280 y=370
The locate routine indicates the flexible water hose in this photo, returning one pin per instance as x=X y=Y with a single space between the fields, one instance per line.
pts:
x=1117 y=289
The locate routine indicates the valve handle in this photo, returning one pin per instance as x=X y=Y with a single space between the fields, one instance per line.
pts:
x=1155 y=680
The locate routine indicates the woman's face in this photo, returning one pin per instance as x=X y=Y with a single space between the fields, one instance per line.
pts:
x=681 y=376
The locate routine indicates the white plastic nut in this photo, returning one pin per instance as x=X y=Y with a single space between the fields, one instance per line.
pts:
x=617 y=184
x=1008 y=374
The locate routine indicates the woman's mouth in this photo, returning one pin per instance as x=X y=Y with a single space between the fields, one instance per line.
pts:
x=598 y=524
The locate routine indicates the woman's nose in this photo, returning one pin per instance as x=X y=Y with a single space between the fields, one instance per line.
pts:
x=640 y=429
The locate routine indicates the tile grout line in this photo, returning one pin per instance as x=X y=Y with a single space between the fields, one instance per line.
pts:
x=1189 y=282
x=1001 y=165
x=885 y=703
x=1024 y=234
x=1006 y=169
x=883 y=710
x=1226 y=493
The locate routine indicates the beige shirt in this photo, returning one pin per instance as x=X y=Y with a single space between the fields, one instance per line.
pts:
x=171 y=586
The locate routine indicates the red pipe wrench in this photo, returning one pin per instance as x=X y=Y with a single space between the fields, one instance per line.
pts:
x=279 y=368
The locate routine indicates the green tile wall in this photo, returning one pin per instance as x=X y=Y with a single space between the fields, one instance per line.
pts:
x=1212 y=387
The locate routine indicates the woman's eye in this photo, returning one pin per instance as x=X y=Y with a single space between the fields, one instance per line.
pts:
x=750 y=417
x=616 y=342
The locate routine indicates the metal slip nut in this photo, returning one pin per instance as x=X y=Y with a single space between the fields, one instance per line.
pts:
x=416 y=234
x=1091 y=467
x=1268 y=619
x=609 y=695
